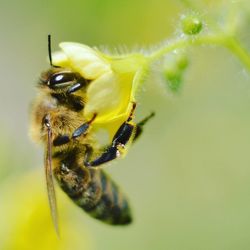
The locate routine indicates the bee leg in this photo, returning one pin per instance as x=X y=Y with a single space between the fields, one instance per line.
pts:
x=110 y=154
x=83 y=128
x=61 y=140
x=121 y=138
x=123 y=135
x=139 y=126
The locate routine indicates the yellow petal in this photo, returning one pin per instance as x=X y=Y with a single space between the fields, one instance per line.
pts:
x=85 y=60
x=108 y=96
x=59 y=58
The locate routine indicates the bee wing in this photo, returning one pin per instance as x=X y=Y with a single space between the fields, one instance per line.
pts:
x=50 y=183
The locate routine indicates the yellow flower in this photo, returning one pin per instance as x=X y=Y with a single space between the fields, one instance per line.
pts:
x=114 y=81
x=25 y=217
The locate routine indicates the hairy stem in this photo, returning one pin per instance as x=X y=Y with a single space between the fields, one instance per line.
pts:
x=219 y=40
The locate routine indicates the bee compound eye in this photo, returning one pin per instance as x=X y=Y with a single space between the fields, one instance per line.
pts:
x=61 y=78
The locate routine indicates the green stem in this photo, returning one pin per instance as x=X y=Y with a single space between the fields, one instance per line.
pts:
x=229 y=42
x=236 y=48
x=183 y=43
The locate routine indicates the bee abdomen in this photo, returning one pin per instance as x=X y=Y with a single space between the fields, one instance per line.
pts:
x=112 y=206
x=96 y=193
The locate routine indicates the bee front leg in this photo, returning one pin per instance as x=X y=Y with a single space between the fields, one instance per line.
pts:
x=83 y=129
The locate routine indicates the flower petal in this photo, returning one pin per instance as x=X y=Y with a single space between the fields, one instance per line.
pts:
x=108 y=96
x=59 y=58
x=85 y=60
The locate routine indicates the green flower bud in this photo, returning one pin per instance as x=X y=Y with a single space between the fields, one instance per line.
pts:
x=191 y=25
x=173 y=78
x=174 y=69
x=182 y=61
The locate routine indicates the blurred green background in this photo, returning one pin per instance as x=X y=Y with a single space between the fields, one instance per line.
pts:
x=188 y=177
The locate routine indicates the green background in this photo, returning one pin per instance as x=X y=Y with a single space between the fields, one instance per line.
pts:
x=188 y=177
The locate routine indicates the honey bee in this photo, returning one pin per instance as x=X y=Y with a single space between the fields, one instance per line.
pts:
x=72 y=155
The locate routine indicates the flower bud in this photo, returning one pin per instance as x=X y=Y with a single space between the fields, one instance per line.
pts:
x=173 y=78
x=182 y=61
x=173 y=71
x=191 y=24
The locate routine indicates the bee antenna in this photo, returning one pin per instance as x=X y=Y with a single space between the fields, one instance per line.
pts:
x=49 y=51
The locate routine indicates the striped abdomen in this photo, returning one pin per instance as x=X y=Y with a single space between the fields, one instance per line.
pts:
x=95 y=192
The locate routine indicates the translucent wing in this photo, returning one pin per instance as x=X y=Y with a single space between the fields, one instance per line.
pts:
x=49 y=180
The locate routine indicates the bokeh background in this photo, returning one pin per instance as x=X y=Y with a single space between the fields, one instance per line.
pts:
x=188 y=177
